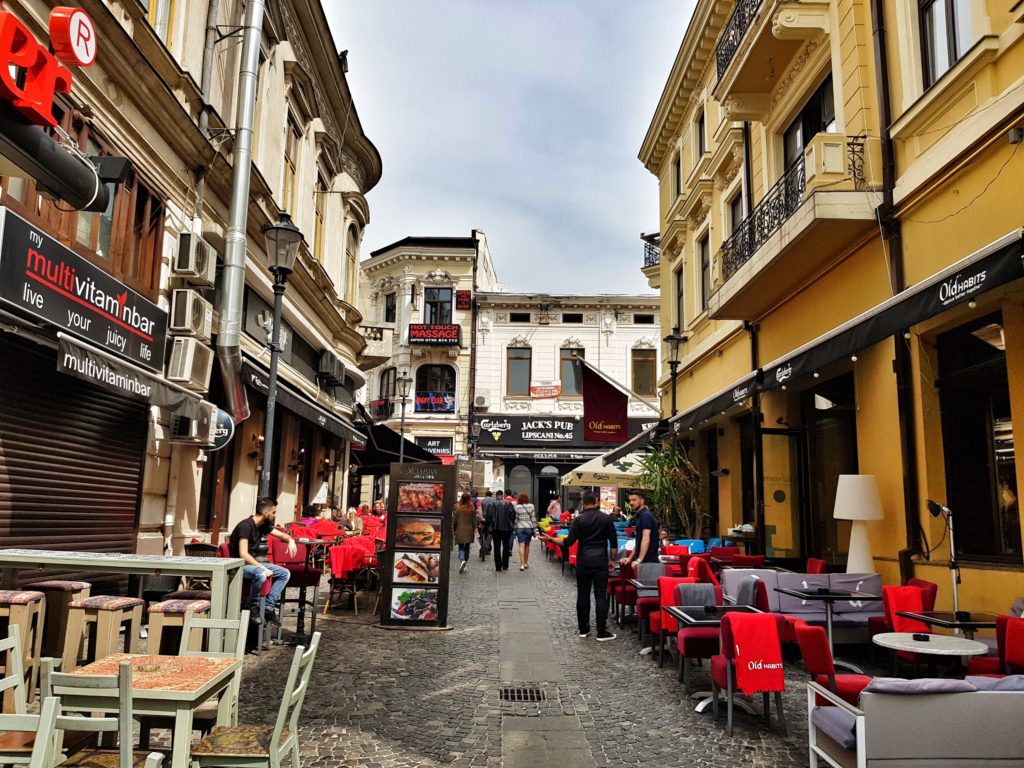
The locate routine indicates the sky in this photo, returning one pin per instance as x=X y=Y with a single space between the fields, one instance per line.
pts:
x=522 y=118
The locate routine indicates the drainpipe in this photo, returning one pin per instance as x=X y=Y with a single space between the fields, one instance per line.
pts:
x=755 y=415
x=474 y=316
x=229 y=329
x=748 y=181
x=171 y=508
x=892 y=234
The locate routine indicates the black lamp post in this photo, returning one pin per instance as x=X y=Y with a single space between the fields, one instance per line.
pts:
x=283 y=241
x=673 y=340
x=404 y=382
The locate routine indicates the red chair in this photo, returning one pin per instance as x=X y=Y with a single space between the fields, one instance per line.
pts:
x=992 y=665
x=818 y=662
x=816 y=565
x=675 y=550
x=696 y=642
x=626 y=595
x=573 y=551
x=748 y=561
x=723 y=667
x=301 y=574
x=723 y=553
x=660 y=622
x=907 y=598
x=1014 y=645
x=929 y=591
x=700 y=570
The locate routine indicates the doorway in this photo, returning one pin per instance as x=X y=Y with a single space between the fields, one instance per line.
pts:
x=547 y=489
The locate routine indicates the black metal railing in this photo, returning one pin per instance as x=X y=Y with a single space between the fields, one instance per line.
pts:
x=765 y=220
x=652 y=255
x=734 y=31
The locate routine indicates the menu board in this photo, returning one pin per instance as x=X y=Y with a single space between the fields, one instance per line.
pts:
x=609 y=498
x=419 y=541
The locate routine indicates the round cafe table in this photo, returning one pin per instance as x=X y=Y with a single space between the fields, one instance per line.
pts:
x=937 y=645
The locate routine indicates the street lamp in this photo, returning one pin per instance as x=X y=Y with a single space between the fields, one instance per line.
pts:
x=283 y=241
x=673 y=340
x=404 y=382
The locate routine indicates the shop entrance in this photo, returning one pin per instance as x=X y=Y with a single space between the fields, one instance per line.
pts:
x=547 y=489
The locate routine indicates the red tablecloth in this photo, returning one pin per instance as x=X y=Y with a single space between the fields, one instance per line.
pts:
x=351 y=555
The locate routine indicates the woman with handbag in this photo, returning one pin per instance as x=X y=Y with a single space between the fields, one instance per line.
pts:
x=526 y=522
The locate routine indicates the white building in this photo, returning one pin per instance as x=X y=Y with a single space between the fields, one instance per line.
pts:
x=527 y=398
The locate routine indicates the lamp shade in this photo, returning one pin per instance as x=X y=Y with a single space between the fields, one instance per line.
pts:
x=404 y=381
x=283 y=241
x=857 y=498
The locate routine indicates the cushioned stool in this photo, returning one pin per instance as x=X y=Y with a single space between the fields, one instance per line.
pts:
x=107 y=613
x=59 y=595
x=171 y=613
x=27 y=609
x=188 y=594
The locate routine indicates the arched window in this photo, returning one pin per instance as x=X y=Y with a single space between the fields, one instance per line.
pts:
x=387 y=383
x=435 y=389
x=520 y=480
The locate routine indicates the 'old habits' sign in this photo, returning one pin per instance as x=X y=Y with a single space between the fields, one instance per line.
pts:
x=443 y=335
x=40 y=276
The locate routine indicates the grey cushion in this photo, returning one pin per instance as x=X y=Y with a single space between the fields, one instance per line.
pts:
x=1017 y=609
x=795 y=605
x=836 y=723
x=650 y=571
x=921 y=685
x=1008 y=683
x=854 y=619
x=695 y=594
x=746 y=591
x=732 y=577
x=862 y=582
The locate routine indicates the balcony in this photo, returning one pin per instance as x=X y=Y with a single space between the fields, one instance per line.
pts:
x=652 y=259
x=378 y=350
x=819 y=208
x=761 y=42
x=652 y=255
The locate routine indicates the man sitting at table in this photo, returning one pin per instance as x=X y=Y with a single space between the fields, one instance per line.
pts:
x=248 y=541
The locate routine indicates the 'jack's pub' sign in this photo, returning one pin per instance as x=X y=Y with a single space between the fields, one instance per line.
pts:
x=40 y=276
x=436 y=334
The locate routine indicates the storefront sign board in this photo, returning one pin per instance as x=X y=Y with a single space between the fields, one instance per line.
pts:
x=445 y=335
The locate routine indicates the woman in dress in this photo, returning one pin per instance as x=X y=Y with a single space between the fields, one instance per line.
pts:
x=464 y=524
x=554 y=507
x=526 y=521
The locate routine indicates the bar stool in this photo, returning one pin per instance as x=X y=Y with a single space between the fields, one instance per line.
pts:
x=59 y=595
x=171 y=613
x=107 y=613
x=27 y=609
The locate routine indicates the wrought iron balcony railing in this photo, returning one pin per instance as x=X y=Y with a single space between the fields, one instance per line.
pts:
x=765 y=220
x=734 y=31
x=652 y=255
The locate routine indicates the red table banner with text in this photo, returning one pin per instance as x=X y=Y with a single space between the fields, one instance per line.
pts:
x=604 y=409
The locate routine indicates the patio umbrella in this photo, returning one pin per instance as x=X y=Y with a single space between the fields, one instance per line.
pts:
x=621 y=473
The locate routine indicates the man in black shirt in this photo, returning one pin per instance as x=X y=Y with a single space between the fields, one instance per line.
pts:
x=645 y=548
x=500 y=515
x=595 y=532
x=247 y=542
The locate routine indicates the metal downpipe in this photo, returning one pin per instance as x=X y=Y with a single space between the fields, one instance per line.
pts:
x=229 y=328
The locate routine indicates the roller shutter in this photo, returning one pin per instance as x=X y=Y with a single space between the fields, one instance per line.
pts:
x=71 y=457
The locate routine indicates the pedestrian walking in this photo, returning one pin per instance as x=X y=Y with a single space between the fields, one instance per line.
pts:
x=526 y=522
x=484 y=527
x=464 y=525
x=595 y=556
x=554 y=507
x=500 y=517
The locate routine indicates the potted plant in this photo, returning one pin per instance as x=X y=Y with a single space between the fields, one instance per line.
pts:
x=674 y=488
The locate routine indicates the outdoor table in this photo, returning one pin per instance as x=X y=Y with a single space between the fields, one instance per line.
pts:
x=643 y=589
x=164 y=686
x=701 y=616
x=829 y=597
x=935 y=645
x=746 y=541
x=968 y=621
x=316 y=558
x=224 y=573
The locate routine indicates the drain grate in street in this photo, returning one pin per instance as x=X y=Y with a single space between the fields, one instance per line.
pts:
x=522 y=694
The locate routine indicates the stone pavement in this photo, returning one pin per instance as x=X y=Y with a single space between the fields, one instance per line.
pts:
x=391 y=699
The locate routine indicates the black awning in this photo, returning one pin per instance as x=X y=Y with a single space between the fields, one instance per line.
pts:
x=86 y=362
x=299 y=404
x=381 y=448
x=994 y=265
x=638 y=442
x=718 y=403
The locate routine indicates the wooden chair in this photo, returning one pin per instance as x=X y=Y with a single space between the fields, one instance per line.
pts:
x=119 y=686
x=258 y=745
x=37 y=731
x=196 y=641
x=27 y=610
x=105 y=614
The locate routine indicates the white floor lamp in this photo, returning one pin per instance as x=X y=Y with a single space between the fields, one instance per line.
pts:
x=857 y=500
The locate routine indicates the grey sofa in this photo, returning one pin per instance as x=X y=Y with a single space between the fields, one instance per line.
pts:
x=935 y=730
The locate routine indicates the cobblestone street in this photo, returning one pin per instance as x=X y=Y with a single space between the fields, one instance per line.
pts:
x=395 y=698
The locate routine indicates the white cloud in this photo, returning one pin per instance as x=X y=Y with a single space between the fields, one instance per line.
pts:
x=521 y=118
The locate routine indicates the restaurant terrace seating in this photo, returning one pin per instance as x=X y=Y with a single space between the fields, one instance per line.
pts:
x=171 y=613
x=992 y=665
x=27 y=609
x=819 y=664
x=104 y=614
x=695 y=642
x=35 y=732
x=724 y=675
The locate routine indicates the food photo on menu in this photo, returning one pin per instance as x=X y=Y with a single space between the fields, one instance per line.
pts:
x=414 y=604
x=422 y=532
x=421 y=497
x=416 y=568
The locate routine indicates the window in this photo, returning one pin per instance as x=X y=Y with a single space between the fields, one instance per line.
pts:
x=390 y=307
x=643 y=319
x=817 y=116
x=981 y=479
x=518 y=361
x=519 y=317
x=701 y=129
x=292 y=138
x=680 y=295
x=437 y=306
x=572 y=317
x=946 y=34
x=319 y=220
x=435 y=389
x=568 y=370
x=677 y=176
x=644 y=371
x=161 y=18
x=704 y=247
x=388 y=379
x=351 y=265
x=736 y=212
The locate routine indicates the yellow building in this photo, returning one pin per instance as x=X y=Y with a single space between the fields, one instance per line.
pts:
x=840 y=240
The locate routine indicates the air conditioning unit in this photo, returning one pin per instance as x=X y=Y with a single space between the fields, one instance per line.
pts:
x=197 y=431
x=196 y=260
x=482 y=402
x=191 y=363
x=331 y=369
x=191 y=314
